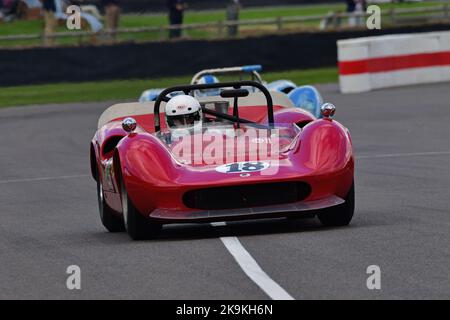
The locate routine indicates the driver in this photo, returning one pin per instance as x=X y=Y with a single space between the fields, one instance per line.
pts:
x=183 y=112
x=207 y=79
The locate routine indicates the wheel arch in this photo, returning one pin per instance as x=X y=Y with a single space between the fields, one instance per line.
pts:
x=117 y=167
x=326 y=145
x=93 y=158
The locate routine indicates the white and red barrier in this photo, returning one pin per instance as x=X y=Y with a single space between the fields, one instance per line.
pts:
x=393 y=60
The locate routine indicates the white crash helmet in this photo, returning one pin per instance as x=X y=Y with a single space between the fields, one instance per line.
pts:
x=207 y=79
x=183 y=112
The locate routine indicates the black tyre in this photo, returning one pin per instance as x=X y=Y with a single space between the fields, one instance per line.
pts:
x=137 y=226
x=110 y=219
x=342 y=214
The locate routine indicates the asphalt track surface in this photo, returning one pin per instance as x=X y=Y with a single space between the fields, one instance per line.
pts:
x=49 y=217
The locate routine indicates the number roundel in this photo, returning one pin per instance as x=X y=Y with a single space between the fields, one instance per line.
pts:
x=240 y=167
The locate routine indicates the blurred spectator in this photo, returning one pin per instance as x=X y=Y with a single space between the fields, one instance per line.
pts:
x=112 y=15
x=358 y=7
x=61 y=7
x=233 y=16
x=29 y=9
x=50 y=21
x=1 y=10
x=87 y=8
x=176 y=11
x=350 y=5
x=9 y=9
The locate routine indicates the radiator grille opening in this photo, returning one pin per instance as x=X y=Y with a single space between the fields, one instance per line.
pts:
x=245 y=196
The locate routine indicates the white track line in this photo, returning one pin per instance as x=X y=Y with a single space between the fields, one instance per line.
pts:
x=252 y=268
x=43 y=179
x=399 y=155
x=234 y=246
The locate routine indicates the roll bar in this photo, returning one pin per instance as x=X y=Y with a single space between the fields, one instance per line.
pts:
x=251 y=69
x=186 y=89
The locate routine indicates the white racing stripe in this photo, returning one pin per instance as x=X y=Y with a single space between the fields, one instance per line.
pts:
x=43 y=179
x=252 y=268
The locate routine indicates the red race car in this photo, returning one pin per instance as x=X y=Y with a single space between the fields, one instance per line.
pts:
x=242 y=154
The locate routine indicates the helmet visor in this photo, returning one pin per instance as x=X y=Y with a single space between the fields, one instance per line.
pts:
x=183 y=120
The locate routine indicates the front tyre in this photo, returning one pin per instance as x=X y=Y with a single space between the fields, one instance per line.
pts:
x=137 y=226
x=110 y=219
x=342 y=214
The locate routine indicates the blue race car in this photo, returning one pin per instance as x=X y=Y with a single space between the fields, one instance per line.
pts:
x=303 y=97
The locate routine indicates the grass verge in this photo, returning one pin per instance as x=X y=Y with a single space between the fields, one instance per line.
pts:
x=131 y=89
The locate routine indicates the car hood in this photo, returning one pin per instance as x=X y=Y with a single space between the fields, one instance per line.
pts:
x=223 y=144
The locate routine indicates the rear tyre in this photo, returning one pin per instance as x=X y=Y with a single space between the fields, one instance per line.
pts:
x=342 y=214
x=110 y=219
x=137 y=226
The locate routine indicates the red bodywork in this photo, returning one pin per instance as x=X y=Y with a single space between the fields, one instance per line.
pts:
x=319 y=153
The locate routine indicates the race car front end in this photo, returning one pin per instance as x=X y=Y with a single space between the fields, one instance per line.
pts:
x=308 y=175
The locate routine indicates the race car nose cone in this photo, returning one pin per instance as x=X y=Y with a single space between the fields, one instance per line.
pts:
x=328 y=110
x=129 y=125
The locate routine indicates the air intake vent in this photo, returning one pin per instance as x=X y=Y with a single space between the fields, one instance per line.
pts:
x=245 y=196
